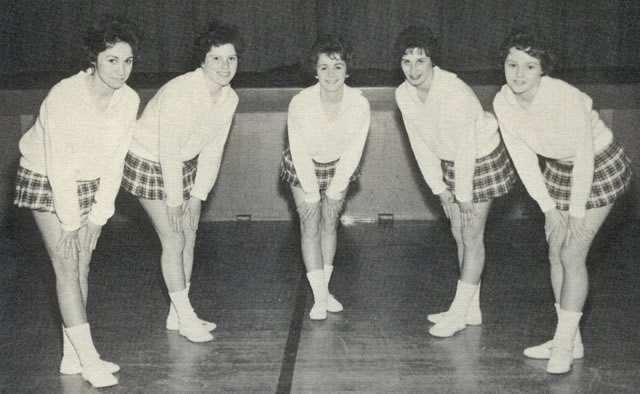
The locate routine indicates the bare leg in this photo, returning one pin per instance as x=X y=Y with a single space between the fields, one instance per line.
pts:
x=188 y=252
x=68 y=290
x=310 y=235
x=575 y=284
x=173 y=245
x=474 y=251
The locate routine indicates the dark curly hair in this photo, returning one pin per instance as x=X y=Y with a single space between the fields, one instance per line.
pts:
x=417 y=37
x=218 y=34
x=105 y=32
x=329 y=45
x=533 y=42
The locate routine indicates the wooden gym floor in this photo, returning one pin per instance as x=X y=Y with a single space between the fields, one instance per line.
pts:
x=249 y=279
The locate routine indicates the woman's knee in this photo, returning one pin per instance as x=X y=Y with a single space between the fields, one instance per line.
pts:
x=456 y=231
x=472 y=238
x=171 y=240
x=63 y=267
x=310 y=229
x=573 y=257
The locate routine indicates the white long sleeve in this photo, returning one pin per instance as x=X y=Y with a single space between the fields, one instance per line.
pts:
x=313 y=137
x=560 y=125
x=73 y=141
x=181 y=122
x=450 y=125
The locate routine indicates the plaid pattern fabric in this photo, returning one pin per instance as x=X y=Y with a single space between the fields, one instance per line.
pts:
x=324 y=171
x=493 y=176
x=611 y=178
x=143 y=178
x=33 y=191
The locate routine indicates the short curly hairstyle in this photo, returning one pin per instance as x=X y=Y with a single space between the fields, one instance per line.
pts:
x=105 y=32
x=533 y=42
x=218 y=34
x=329 y=45
x=417 y=37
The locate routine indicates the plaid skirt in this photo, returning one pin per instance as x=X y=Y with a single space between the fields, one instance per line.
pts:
x=33 y=191
x=324 y=171
x=493 y=176
x=143 y=178
x=611 y=178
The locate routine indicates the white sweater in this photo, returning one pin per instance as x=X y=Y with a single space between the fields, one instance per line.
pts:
x=181 y=122
x=73 y=141
x=560 y=124
x=312 y=136
x=450 y=125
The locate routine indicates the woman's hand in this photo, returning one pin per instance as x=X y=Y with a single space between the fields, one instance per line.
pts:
x=306 y=210
x=91 y=239
x=332 y=208
x=447 y=200
x=191 y=213
x=69 y=244
x=555 y=227
x=578 y=232
x=175 y=218
x=468 y=215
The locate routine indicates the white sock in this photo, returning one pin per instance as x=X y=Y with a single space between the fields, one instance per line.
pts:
x=462 y=299
x=578 y=337
x=180 y=301
x=80 y=337
x=568 y=323
x=328 y=271
x=475 y=301
x=318 y=288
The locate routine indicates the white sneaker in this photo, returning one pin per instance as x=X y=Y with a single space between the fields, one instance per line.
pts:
x=560 y=360
x=98 y=376
x=173 y=325
x=194 y=331
x=543 y=351
x=70 y=365
x=318 y=311
x=333 y=305
x=472 y=318
x=447 y=326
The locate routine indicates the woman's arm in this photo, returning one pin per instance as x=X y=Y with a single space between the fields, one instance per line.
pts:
x=351 y=156
x=110 y=181
x=56 y=113
x=173 y=115
x=209 y=161
x=583 y=162
x=302 y=160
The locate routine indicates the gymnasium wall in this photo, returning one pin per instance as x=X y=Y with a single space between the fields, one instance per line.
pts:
x=248 y=183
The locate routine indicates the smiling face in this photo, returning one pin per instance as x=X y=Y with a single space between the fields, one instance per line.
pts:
x=522 y=73
x=417 y=67
x=113 y=65
x=220 y=64
x=331 y=72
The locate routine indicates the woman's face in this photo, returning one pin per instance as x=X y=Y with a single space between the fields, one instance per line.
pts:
x=522 y=72
x=220 y=64
x=113 y=65
x=417 y=67
x=331 y=72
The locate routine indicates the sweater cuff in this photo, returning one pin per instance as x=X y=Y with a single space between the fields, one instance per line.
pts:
x=97 y=219
x=173 y=202
x=312 y=197
x=71 y=227
x=334 y=195
x=198 y=195
x=547 y=205
x=577 y=212
x=439 y=189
